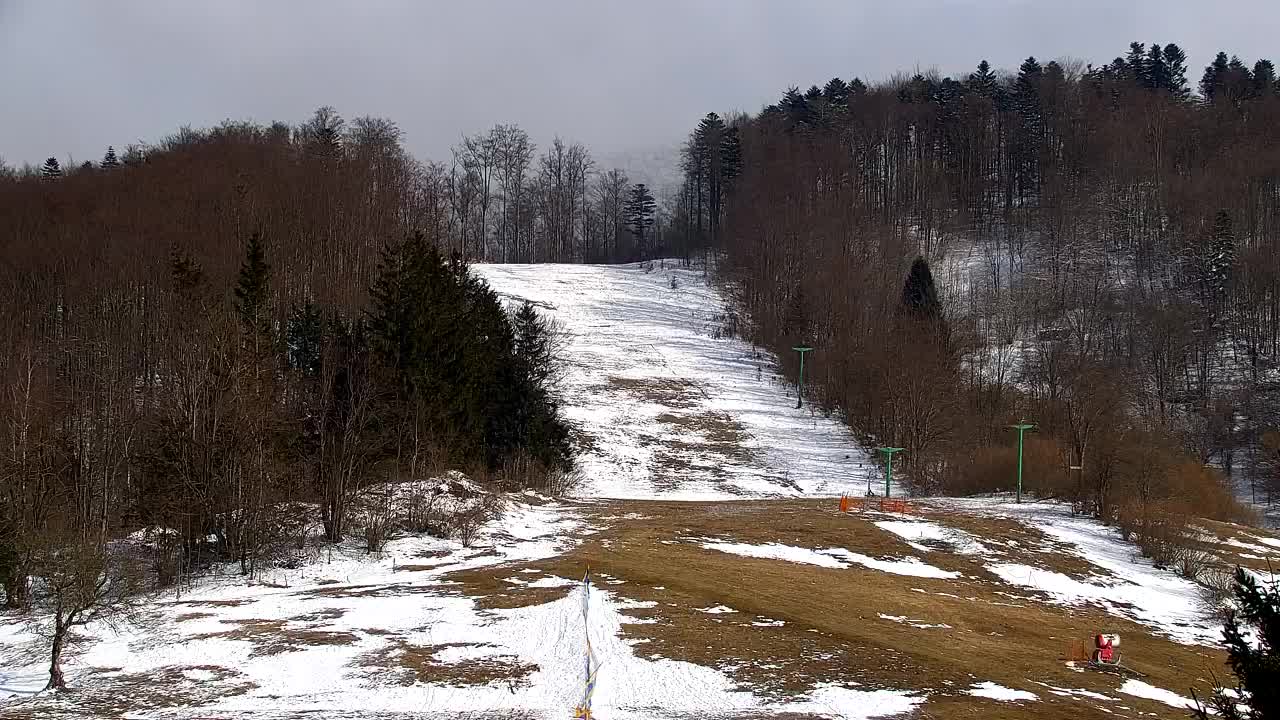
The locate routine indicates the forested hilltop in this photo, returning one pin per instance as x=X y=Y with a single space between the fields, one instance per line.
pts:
x=219 y=341
x=1101 y=256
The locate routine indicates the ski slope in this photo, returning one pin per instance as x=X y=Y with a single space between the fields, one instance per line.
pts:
x=667 y=408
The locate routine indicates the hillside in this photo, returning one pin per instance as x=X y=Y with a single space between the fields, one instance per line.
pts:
x=726 y=583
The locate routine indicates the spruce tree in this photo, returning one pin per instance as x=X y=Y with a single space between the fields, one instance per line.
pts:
x=983 y=80
x=1026 y=90
x=1264 y=78
x=638 y=214
x=836 y=92
x=730 y=154
x=1222 y=257
x=1253 y=654
x=51 y=169
x=251 y=288
x=797 y=107
x=110 y=160
x=1156 y=70
x=1136 y=63
x=304 y=338
x=545 y=437
x=1175 y=60
x=1213 y=77
x=857 y=89
x=919 y=295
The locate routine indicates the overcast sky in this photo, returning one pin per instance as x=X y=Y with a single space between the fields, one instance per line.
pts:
x=615 y=75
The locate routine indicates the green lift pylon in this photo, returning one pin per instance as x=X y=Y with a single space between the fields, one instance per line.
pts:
x=888 y=465
x=802 y=349
x=1022 y=428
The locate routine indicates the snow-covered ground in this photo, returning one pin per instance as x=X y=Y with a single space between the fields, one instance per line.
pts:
x=326 y=639
x=668 y=408
x=1126 y=585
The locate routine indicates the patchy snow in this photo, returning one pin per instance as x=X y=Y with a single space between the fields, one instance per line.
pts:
x=717 y=610
x=911 y=566
x=1126 y=584
x=1137 y=688
x=648 y=366
x=835 y=558
x=552 y=582
x=999 y=692
x=904 y=620
x=917 y=532
x=777 y=551
x=1273 y=543
x=1075 y=692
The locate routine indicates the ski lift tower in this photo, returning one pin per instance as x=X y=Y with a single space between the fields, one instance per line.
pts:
x=802 y=349
x=888 y=465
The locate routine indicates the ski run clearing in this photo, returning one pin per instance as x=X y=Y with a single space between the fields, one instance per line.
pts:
x=725 y=583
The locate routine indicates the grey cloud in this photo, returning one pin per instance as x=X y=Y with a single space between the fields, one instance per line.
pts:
x=77 y=76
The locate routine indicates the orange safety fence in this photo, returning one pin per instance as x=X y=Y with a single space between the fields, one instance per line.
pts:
x=889 y=505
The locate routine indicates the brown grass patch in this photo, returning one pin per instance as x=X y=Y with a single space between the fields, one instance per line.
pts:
x=407 y=664
x=110 y=694
x=321 y=615
x=184 y=617
x=669 y=392
x=271 y=637
x=214 y=603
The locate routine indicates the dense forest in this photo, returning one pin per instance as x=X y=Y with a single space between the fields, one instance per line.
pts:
x=1095 y=250
x=222 y=340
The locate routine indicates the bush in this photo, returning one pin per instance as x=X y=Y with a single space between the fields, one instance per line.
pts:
x=1215 y=590
x=994 y=468
x=467 y=520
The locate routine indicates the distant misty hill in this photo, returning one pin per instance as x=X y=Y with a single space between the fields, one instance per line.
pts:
x=657 y=166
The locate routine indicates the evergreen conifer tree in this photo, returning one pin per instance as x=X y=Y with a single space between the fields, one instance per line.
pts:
x=51 y=169
x=1264 y=78
x=919 y=295
x=836 y=92
x=1222 y=258
x=730 y=154
x=1213 y=77
x=110 y=160
x=1136 y=64
x=638 y=214
x=983 y=80
x=1175 y=60
x=1026 y=90
x=1253 y=654
x=1156 y=73
x=304 y=338
x=251 y=288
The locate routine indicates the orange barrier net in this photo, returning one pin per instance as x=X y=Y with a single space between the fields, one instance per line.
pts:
x=888 y=505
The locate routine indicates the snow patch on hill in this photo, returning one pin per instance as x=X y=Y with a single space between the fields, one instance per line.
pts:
x=665 y=406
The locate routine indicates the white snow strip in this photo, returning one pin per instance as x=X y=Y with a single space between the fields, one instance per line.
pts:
x=999 y=692
x=904 y=620
x=828 y=558
x=717 y=610
x=776 y=551
x=918 y=531
x=1137 y=688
